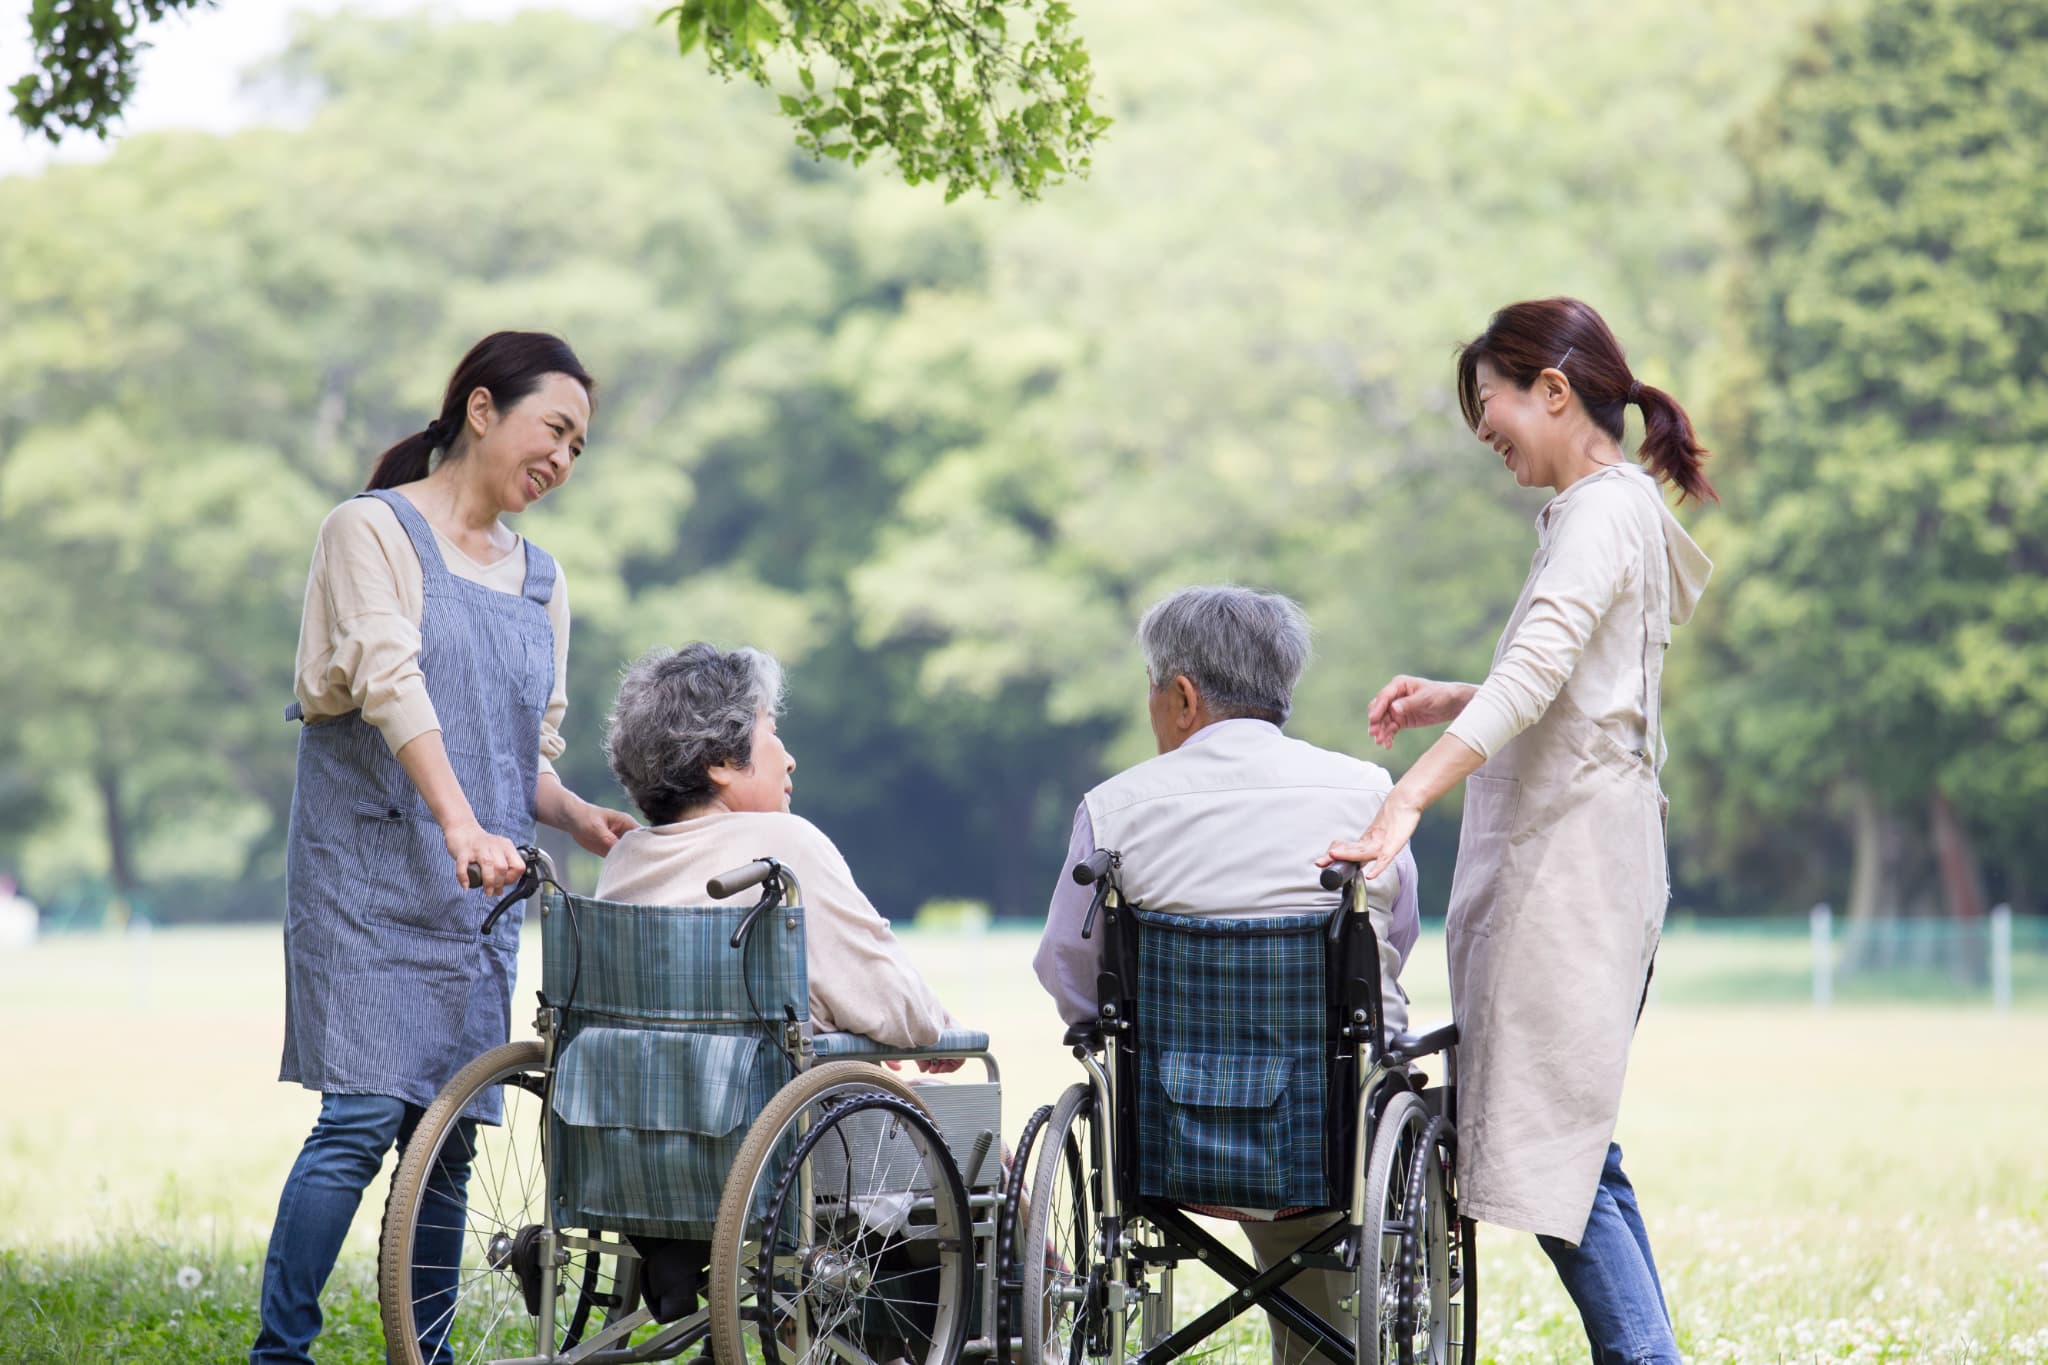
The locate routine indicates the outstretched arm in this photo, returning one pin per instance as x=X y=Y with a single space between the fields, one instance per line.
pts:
x=1443 y=766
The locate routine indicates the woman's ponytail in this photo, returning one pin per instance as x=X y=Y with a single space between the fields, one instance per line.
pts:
x=1524 y=339
x=1671 y=450
x=506 y=365
x=409 y=460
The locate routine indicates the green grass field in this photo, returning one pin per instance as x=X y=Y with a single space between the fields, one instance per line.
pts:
x=1865 y=1184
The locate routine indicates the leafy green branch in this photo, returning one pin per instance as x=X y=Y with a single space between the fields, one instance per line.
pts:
x=86 y=55
x=941 y=84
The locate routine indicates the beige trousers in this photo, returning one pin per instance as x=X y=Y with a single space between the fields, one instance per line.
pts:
x=1319 y=1291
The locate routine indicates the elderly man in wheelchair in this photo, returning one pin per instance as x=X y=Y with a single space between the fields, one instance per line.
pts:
x=702 y=1113
x=1237 y=1013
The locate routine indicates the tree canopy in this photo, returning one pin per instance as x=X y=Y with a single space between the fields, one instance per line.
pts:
x=939 y=459
x=1883 y=639
x=973 y=93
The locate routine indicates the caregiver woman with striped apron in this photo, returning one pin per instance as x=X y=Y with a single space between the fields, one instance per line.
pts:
x=430 y=665
x=1561 y=882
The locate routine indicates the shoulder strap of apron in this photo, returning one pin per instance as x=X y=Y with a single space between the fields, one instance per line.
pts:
x=416 y=530
x=540 y=574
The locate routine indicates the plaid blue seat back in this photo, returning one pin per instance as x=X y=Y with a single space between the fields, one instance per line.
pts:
x=1231 y=1071
x=662 y=1066
x=667 y=964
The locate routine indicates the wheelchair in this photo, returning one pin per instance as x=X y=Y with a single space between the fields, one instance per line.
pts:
x=676 y=1130
x=1240 y=1068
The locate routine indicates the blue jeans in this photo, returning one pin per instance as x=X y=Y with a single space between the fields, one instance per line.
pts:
x=339 y=1160
x=1612 y=1278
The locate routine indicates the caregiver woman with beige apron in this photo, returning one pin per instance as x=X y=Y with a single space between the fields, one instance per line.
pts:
x=1561 y=882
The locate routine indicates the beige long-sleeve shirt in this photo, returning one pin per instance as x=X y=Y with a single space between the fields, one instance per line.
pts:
x=359 y=635
x=861 y=980
x=1586 y=624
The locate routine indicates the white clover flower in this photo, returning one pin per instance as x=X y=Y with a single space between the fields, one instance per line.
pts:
x=189 y=1277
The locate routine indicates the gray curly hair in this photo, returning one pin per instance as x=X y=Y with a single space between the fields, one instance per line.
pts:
x=679 y=714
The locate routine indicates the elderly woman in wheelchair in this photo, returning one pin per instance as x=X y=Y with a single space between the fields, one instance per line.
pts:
x=692 y=739
x=702 y=1108
x=1239 y=1021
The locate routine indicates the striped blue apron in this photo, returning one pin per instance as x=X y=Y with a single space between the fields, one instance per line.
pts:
x=389 y=988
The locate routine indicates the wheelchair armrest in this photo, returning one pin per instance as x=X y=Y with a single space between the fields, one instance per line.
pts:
x=1406 y=1047
x=1087 y=1033
x=953 y=1042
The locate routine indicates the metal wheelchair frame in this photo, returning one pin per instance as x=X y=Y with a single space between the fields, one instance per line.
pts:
x=1138 y=1241
x=537 y=1259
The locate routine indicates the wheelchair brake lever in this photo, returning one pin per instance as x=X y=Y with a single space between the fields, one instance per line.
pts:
x=1095 y=908
x=771 y=896
x=528 y=883
x=1095 y=870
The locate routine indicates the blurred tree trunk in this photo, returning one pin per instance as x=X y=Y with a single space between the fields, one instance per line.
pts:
x=1962 y=889
x=1874 y=880
x=120 y=854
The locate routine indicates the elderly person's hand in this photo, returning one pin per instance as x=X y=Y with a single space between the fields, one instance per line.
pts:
x=1410 y=703
x=930 y=1066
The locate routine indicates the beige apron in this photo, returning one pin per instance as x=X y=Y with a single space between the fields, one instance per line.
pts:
x=1556 y=906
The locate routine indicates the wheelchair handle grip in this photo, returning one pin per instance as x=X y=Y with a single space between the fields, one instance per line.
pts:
x=1337 y=874
x=1095 y=866
x=740 y=878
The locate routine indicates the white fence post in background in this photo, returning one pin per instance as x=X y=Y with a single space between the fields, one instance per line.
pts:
x=2001 y=958
x=1821 y=918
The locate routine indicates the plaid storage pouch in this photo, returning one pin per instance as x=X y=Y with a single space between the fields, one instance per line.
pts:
x=647 y=1124
x=1230 y=1085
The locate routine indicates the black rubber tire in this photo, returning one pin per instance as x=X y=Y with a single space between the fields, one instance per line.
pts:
x=1061 y=1222
x=1408 y=1143
x=809 y=1094
x=877 y=1276
x=1009 y=1235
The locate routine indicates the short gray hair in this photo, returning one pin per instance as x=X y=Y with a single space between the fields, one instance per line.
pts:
x=1244 y=650
x=679 y=714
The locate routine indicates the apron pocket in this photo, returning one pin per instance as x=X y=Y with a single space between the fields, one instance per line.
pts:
x=396 y=846
x=648 y=1123
x=1226 y=1128
x=537 y=679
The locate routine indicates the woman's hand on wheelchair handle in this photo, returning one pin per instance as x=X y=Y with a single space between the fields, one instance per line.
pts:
x=497 y=857
x=1407 y=703
x=1382 y=841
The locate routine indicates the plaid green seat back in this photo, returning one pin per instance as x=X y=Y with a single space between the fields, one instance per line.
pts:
x=663 y=1065
x=1230 y=1082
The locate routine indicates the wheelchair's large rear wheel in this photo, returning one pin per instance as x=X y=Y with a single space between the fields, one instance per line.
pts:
x=473 y=1275
x=1414 y=1283
x=1063 y=1283
x=853 y=1271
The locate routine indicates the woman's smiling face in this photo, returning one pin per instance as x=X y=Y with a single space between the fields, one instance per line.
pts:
x=530 y=448
x=1517 y=424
